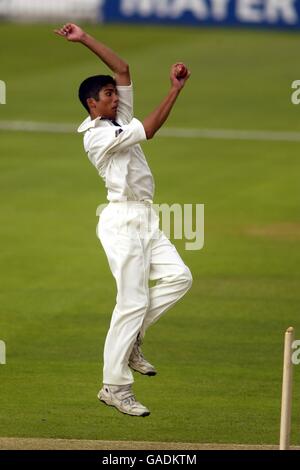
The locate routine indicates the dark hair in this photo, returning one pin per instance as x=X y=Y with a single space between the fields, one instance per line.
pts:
x=91 y=86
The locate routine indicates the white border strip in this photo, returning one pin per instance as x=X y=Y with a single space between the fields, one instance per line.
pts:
x=231 y=134
x=20 y=443
x=224 y=134
x=28 y=126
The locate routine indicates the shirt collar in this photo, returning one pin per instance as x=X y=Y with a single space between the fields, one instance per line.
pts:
x=88 y=123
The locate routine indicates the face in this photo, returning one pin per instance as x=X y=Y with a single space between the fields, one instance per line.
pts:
x=107 y=105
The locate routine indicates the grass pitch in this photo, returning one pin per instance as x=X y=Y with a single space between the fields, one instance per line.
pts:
x=219 y=351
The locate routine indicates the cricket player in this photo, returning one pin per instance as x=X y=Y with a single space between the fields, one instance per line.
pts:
x=128 y=228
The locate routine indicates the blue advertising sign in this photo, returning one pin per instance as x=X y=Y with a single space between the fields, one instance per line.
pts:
x=267 y=13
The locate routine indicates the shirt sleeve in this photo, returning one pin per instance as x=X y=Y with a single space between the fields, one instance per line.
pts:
x=103 y=142
x=125 y=106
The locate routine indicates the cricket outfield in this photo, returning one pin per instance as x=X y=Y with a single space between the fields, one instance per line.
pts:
x=219 y=351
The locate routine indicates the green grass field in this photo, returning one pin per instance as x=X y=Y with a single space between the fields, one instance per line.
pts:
x=219 y=351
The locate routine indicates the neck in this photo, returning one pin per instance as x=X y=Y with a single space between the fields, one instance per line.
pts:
x=94 y=115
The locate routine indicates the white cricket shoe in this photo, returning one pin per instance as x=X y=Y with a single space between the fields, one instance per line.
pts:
x=122 y=398
x=137 y=361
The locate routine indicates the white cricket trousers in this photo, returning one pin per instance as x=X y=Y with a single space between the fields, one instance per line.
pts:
x=137 y=252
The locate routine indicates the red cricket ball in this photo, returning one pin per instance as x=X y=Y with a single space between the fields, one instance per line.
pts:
x=181 y=71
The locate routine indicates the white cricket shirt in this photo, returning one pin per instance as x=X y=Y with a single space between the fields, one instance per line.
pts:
x=116 y=153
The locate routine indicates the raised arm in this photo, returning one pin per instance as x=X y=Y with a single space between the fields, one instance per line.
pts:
x=74 y=33
x=156 y=119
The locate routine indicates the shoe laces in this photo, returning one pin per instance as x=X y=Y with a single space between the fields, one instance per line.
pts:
x=137 y=348
x=140 y=353
x=127 y=396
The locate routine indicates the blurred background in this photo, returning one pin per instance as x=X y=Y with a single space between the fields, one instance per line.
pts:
x=231 y=143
